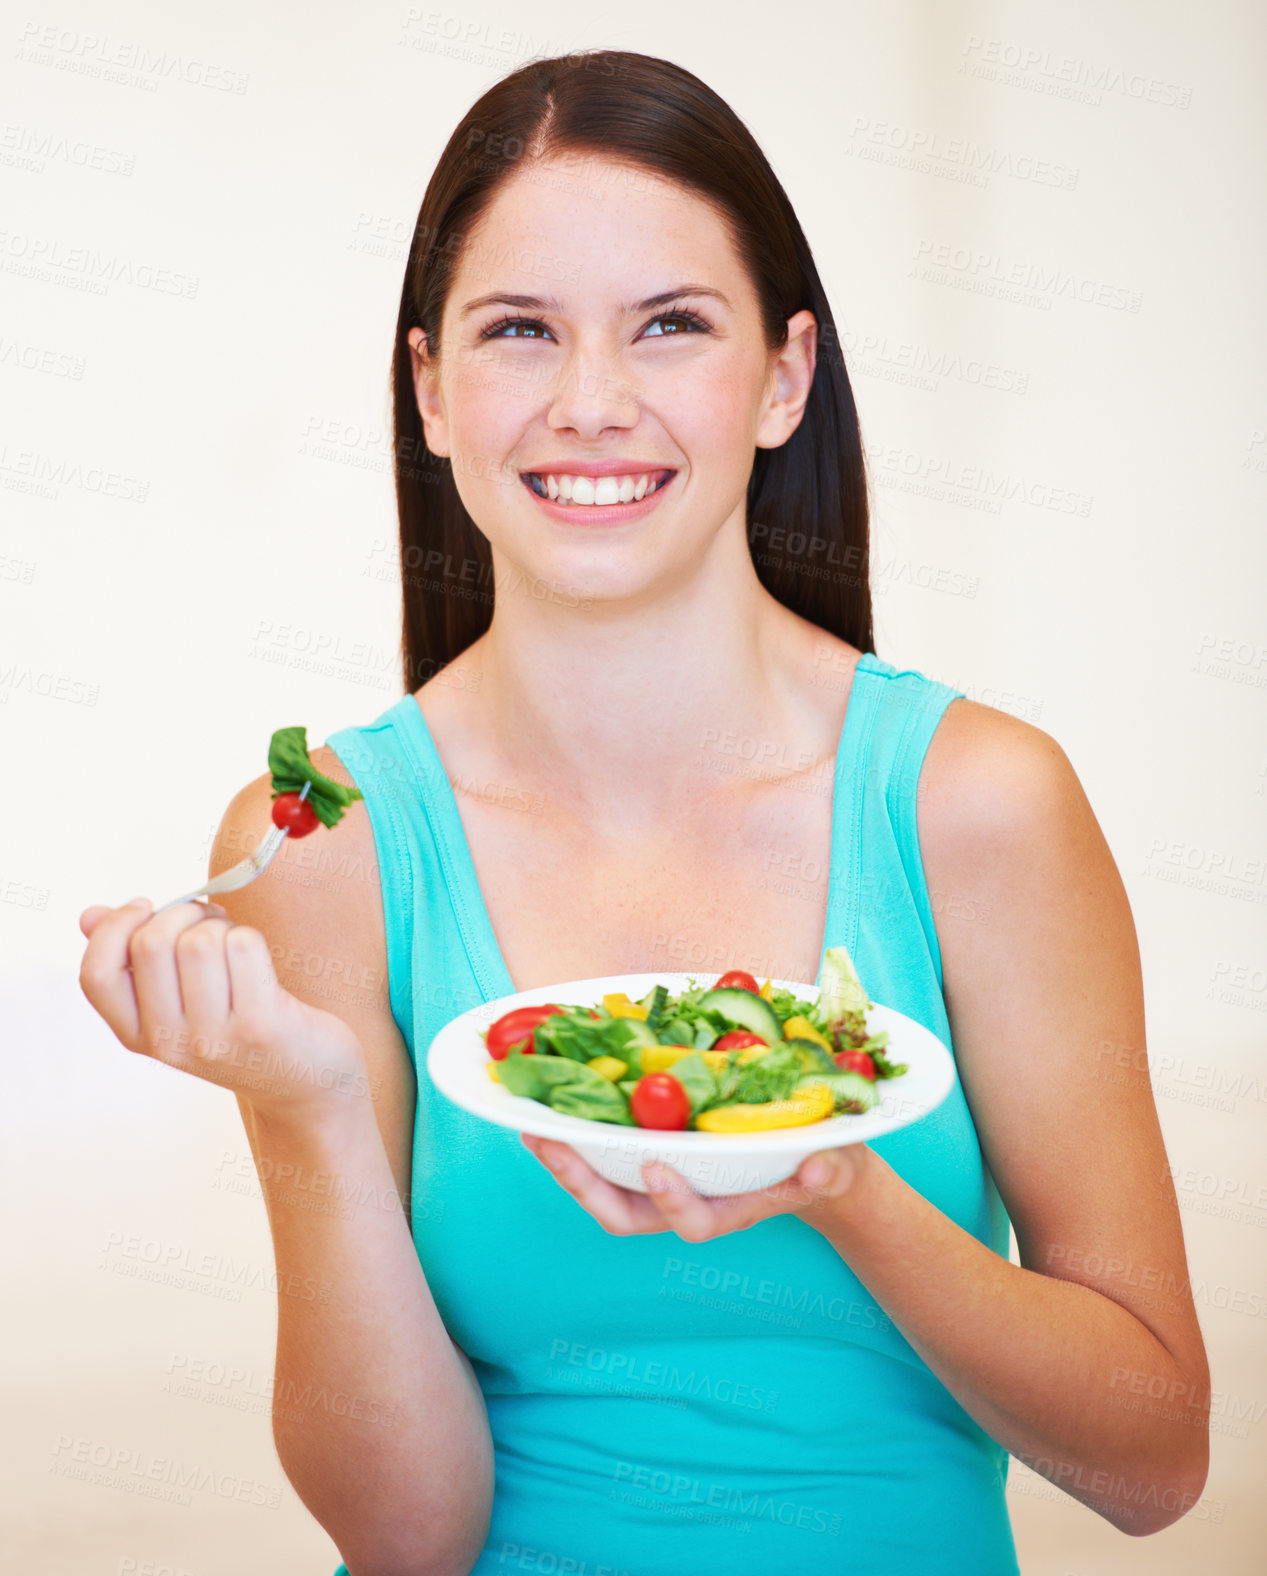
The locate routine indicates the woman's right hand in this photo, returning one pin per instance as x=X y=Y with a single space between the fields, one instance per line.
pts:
x=190 y=988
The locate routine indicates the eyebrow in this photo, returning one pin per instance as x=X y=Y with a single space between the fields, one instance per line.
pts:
x=550 y=303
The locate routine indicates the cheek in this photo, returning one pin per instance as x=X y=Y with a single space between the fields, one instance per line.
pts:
x=710 y=410
x=488 y=411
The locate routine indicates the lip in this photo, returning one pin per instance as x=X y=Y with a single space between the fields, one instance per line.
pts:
x=598 y=514
x=595 y=468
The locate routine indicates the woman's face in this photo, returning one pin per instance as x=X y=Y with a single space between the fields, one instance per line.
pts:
x=595 y=323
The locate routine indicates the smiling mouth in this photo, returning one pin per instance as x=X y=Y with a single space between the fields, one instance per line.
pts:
x=596 y=492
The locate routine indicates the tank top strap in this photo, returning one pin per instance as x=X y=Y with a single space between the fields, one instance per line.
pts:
x=396 y=800
x=899 y=712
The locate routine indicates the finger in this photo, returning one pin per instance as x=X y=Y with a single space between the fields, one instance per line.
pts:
x=827 y=1174
x=617 y=1209
x=156 y=976
x=696 y=1217
x=104 y=974
x=204 y=977
x=692 y=1216
x=253 y=985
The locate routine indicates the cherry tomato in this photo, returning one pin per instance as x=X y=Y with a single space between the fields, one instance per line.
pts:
x=738 y=1040
x=738 y=979
x=856 y=1062
x=659 y=1100
x=290 y=811
x=513 y=1028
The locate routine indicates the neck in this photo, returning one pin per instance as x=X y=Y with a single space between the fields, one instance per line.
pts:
x=615 y=708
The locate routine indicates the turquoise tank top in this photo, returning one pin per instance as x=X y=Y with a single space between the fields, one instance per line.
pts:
x=738 y=1407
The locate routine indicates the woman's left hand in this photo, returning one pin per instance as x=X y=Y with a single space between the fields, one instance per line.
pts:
x=819 y=1183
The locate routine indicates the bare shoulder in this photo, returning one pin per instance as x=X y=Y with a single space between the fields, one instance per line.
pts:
x=1016 y=861
x=989 y=777
x=319 y=906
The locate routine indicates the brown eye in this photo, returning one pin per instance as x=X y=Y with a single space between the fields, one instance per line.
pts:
x=495 y=330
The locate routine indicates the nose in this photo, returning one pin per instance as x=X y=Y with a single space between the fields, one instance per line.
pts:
x=592 y=392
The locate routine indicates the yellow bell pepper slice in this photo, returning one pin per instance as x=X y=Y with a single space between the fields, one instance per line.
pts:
x=609 y=1067
x=492 y=1071
x=620 y=1006
x=660 y=1058
x=811 y=1104
x=803 y=1029
x=765 y=992
x=750 y=1053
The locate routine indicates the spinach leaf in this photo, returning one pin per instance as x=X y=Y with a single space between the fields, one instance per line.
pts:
x=565 y=1085
x=580 y=1037
x=696 y=1077
x=600 y=1101
x=288 y=761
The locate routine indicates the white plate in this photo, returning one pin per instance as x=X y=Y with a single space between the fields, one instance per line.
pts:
x=713 y=1163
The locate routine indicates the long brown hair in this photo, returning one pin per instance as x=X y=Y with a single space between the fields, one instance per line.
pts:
x=807 y=500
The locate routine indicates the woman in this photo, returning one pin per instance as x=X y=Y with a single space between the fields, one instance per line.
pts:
x=668 y=744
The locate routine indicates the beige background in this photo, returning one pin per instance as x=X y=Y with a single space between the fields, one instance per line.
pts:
x=236 y=574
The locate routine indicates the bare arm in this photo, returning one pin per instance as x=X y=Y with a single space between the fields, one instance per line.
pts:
x=1043 y=988
x=378 y=1418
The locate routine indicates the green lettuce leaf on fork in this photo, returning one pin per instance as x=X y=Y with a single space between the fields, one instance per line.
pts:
x=288 y=761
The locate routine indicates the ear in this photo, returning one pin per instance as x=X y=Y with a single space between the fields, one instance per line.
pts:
x=426 y=381
x=791 y=378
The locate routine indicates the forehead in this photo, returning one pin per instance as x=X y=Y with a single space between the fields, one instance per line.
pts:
x=597 y=231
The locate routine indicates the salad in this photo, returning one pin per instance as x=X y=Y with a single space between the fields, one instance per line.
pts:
x=732 y=1057
x=303 y=798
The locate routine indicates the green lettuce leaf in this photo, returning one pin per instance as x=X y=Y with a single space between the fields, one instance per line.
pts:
x=839 y=988
x=291 y=768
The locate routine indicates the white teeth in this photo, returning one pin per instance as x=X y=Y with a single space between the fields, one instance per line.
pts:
x=595 y=491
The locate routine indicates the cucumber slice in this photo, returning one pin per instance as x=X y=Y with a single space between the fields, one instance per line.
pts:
x=852 y=1090
x=813 y=1056
x=640 y=1032
x=746 y=1010
x=654 y=1002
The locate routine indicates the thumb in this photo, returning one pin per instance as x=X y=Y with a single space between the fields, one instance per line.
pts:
x=829 y=1173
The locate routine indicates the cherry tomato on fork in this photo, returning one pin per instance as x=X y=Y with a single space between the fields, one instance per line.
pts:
x=295 y=814
x=738 y=979
x=514 y=1028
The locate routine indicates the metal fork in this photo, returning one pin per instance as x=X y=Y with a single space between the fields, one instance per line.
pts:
x=244 y=872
